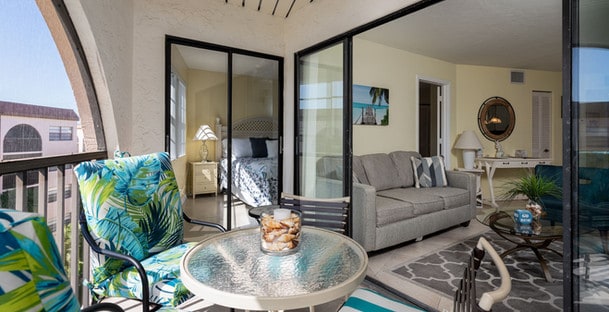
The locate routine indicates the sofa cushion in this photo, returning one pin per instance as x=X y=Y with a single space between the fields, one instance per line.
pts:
x=359 y=173
x=390 y=210
x=423 y=202
x=403 y=163
x=380 y=171
x=330 y=167
x=429 y=171
x=453 y=197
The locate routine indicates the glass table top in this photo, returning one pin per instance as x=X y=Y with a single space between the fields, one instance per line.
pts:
x=502 y=220
x=232 y=265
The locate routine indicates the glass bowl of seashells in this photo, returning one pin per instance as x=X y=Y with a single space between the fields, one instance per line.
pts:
x=280 y=231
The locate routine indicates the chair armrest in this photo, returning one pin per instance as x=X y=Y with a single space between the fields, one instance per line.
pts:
x=84 y=229
x=103 y=306
x=203 y=223
x=489 y=298
x=364 y=215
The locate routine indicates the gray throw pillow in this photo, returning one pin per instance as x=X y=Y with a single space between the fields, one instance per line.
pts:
x=429 y=171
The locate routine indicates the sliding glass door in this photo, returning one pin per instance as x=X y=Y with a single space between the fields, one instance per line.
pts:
x=322 y=123
x=589 y=186
x=223 y=129
x=255 y=132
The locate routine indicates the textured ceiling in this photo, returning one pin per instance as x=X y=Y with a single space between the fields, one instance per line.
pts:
x=519 y=34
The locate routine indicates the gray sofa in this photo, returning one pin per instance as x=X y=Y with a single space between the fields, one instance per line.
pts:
x=387 y=207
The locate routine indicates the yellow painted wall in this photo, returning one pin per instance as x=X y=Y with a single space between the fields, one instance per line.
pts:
x=477 y=83
x=207 y=100
x=377 y=65
x=397 y=70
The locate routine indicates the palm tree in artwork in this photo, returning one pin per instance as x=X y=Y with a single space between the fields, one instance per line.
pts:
x=378 y=94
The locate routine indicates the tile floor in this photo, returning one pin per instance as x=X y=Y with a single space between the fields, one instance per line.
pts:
x=211 y=208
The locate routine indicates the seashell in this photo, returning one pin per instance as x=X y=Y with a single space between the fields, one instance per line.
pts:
x=284 y=238
x=271 y=223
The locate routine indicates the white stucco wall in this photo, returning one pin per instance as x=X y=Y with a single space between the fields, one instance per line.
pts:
x=105 y=29
x=124 y=42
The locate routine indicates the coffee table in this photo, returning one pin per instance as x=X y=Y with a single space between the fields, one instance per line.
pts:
x=536 y=237
x=229 y=269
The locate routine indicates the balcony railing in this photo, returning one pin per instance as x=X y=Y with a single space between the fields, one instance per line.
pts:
x=48 y=187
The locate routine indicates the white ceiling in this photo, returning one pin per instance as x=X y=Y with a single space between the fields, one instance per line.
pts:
x=519 y=34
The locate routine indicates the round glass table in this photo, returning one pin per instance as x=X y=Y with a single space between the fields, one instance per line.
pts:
x=229 y=269
x=535 y=236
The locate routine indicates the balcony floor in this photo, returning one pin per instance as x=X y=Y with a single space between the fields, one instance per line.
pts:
x=211 y=208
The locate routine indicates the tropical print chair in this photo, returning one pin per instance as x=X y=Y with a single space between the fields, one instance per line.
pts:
x=32 y=276
x=133 y=220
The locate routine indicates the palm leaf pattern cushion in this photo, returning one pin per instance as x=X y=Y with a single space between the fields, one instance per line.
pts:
x=32 y=276
x=132 y=206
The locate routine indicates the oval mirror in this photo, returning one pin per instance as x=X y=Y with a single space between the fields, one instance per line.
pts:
x=496 y=118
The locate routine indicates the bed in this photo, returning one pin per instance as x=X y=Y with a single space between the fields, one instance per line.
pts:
x=254 y=160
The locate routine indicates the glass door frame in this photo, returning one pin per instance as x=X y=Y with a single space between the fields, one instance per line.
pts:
x=230 y=51
x=347 y=140
x=347 y=40
x=576 y=39
x=347 y=98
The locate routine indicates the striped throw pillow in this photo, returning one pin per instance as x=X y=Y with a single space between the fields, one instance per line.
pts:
x=429 y=171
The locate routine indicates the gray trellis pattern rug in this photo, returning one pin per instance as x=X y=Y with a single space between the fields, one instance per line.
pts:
x=441 y=271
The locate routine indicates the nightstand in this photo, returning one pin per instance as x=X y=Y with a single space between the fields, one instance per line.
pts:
x=478 y=173
x=203 y=178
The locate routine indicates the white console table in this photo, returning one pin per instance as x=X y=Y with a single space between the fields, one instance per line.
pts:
x=490 y=164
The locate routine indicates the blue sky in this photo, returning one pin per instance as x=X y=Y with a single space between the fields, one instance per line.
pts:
x=361 y=94
x=31 y=70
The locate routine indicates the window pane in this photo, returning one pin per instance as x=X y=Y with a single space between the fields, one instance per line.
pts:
x=320 y=120
x=177 y=134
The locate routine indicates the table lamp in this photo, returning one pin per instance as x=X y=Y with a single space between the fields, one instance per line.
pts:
x=469 y=143
x=204 y=133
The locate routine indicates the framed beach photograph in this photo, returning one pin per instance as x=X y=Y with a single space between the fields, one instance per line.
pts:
x=370 y=105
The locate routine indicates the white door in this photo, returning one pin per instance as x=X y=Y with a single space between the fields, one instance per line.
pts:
x=542 y=126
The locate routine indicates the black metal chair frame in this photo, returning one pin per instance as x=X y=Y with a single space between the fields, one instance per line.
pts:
x=465 y=297
x=137 y=264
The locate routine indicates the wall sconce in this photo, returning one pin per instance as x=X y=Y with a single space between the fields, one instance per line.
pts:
x=204 y=133
x=469 y=143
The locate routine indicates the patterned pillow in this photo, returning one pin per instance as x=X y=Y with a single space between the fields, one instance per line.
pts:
x=429 y=171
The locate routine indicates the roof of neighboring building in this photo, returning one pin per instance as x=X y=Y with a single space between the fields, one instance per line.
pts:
x=37 y=111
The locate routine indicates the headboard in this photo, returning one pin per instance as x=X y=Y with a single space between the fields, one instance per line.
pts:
x=254 y=127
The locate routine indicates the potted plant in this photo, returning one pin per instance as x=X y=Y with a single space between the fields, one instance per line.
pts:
x=533 y=187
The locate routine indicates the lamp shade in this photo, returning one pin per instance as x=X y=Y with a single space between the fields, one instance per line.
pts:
x=468 y=141
x=205 y=133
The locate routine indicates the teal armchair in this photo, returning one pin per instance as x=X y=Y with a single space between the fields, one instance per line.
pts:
x=132 y=219
x=32 y=276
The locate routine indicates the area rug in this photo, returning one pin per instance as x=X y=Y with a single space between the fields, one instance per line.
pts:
x=440 y=272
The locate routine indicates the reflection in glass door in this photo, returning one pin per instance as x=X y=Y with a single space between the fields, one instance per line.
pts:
x=254 y=132
x=231 y=128
x=321 y=153
x=590 y=182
